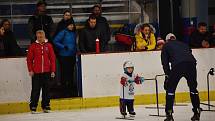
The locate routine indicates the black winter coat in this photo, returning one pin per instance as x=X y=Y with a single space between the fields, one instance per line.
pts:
x=40 y=22
x=175 y=52
x=87 y=40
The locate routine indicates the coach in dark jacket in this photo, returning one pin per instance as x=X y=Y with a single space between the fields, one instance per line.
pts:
x=183 y=64
x=88 y=36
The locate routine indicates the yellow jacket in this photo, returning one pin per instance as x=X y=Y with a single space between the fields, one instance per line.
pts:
x=141 y=42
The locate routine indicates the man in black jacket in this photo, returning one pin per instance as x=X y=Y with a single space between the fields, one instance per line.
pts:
x=102 y=24
x=200 y=38
x=183 y=64
x=40 y=21
x=88 y=36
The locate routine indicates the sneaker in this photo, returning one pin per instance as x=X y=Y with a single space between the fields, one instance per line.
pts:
x=33 y=110
x=169 y=118
x=196 y=116
x=132 y=114
x=46 y=109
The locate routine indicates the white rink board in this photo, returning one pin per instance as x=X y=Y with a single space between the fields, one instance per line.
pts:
x=15 y=83
x=101 y=72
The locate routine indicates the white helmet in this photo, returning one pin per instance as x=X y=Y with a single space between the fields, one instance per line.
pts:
x=170 y=36
x=128 y=64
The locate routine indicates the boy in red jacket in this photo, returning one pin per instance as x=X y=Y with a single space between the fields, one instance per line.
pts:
x=41 y=67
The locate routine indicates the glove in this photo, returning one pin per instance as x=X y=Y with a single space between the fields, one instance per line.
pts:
x=138 y=80
x=66 y=48
x=123 y=81
x=166 y=83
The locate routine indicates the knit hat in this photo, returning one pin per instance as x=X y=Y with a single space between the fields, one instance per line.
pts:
x=41 y=2
x=170 y=36
x=68 y=22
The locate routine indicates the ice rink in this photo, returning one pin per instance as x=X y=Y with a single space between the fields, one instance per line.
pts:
x=182 y=113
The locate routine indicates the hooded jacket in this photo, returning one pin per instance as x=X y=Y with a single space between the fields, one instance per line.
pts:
x=141 y=42
x=66 y=38
x=41 y=58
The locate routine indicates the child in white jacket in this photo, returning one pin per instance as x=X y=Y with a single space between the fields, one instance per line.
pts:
x=128 y=81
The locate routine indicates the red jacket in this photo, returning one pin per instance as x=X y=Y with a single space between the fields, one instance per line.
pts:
x=41 y=58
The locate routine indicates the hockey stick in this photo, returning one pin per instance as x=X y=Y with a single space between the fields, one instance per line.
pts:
x=124 y=116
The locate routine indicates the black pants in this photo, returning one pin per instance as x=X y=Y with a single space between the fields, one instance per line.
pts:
x=40 y=81
x=126 y=103
x=67 y=64
x=187 y=70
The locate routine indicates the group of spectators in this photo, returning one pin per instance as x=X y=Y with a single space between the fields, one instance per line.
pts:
x=146 y=40
x=96 y=26
x=63 y=39
x=63 y=44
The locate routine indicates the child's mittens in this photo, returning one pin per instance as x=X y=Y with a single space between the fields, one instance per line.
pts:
x=123 y=81
x=138 y=80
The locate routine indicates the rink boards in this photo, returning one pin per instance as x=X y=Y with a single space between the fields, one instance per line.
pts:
x=100 y=80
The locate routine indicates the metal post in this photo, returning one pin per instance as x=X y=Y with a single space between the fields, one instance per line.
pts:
x=158 y=14
x=157 y=98
x=11 y=13
x=129 y=11
x=208 y=86
x=171 y=10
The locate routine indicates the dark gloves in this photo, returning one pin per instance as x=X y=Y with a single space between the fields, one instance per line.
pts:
x=66 y=48
x=166 y=83
x=123 y=81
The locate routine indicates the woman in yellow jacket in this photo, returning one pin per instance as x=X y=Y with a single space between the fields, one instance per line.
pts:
x=145 y=38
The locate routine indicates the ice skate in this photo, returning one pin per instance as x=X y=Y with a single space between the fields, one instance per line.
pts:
x=196 y=116
x=169 y=118
x=132 y=114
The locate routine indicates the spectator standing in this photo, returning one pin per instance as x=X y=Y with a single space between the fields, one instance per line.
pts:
x=65 y=42
x=41 y=67
x=13 y=47
x=2 y=42
x=88 y=36
x=102 y=24
x=40 y=21
x=200 y=38
x=67 y=16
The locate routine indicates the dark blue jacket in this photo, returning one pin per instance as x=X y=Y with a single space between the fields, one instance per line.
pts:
x=66 y=38
x=175 y=52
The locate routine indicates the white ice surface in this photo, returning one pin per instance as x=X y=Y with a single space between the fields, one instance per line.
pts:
x=182 y=113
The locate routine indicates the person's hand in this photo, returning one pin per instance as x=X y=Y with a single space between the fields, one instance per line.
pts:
x=205 y=44
x=166 y=83
x=52 y=75
x=137 y=80
x=123 y=81
x=66 y=48
x=31 y=73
